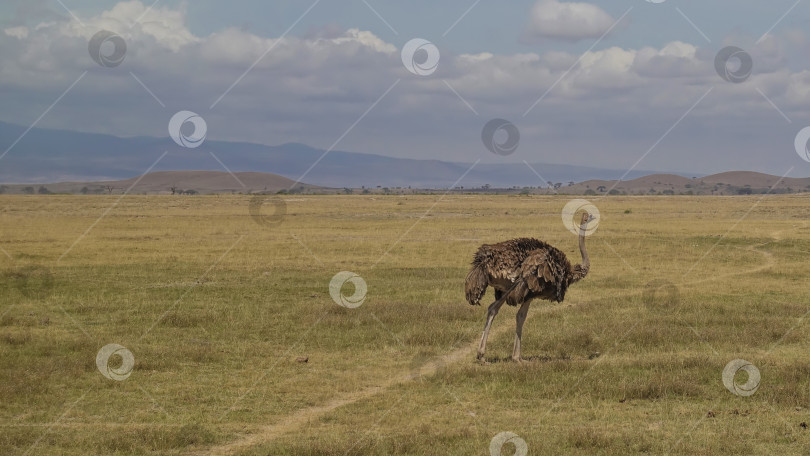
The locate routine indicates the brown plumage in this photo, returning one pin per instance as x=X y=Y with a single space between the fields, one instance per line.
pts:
x=520 y=270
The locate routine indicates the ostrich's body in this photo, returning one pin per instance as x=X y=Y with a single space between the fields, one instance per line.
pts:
x=520 y=270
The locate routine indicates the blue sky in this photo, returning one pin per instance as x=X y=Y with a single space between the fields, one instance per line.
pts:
x=489 y=26
x=646 y=95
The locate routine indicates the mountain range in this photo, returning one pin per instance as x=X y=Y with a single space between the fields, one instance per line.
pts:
x=47 y=156
x=218 y=182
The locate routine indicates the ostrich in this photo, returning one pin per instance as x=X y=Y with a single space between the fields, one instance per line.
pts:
x=520 y=270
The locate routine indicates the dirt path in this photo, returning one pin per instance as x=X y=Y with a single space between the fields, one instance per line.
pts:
x=770 y=260
x=306 y=415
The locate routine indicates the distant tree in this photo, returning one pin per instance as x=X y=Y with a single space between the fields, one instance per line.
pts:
x=590 y=192
x=613 y=191
x=744 y=191
x=668 y=192
x=28 y=190
x=557 y=185
x=570 y=183
x=601 y=188
x=109 y=189
x=191 y=192
x=366 y=191
x=84 y=190
x=174 y=189
x=43 y=190
x=348 y=191
x=3 y=189
x=386 y=190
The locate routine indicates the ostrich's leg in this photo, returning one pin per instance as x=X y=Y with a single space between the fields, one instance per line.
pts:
x=491 y=312
x=519 y=320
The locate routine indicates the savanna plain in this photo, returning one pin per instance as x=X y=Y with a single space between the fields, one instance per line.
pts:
x=219 y=308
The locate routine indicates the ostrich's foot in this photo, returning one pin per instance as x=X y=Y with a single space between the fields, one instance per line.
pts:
x=517 y=359
x=481 y=359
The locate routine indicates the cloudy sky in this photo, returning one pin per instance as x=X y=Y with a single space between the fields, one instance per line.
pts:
x=609 y=84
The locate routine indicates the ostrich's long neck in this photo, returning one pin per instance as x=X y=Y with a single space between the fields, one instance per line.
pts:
x=581 y=270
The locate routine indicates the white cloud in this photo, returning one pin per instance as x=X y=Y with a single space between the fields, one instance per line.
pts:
x=17 y=32
x=367 y=39
x=675 y=59
x=607 y=110
x=566 y=20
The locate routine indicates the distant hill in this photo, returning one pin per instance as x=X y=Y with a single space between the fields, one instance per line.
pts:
x=46 y=156
x=206 y=182
x=191 y=182
x=210 y=182
x=728 y=183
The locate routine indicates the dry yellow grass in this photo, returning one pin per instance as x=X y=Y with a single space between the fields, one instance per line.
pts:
x=215 y=308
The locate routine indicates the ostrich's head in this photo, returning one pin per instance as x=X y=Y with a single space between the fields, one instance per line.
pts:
x=581 y=270
x=586 y=218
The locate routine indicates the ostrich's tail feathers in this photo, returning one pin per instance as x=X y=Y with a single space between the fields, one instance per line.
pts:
x=476 y=285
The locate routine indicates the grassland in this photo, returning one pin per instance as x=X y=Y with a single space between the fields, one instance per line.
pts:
x=215 y=308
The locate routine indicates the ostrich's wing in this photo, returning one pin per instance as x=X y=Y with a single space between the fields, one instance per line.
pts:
x=538 y=271
x=476 y=285
x=500 y=262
